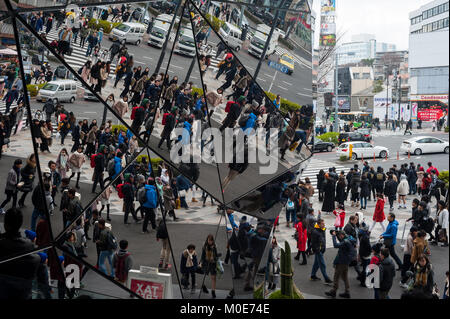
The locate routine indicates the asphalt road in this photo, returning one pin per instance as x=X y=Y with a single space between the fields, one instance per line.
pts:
x=393 y=143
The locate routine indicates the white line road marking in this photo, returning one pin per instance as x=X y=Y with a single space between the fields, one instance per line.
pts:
x=147 y=57
x=176 y=66
x=269 y=75
x=282 y=88
x=139 y=62
x=90 y=112
x=307 y=89
x=287 y=83
x=262 y=80
x=303 y=94
x=194 y=77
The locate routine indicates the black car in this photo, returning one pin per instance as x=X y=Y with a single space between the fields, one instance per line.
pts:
x=366 y=132
x=352 y=136
x=321 y=146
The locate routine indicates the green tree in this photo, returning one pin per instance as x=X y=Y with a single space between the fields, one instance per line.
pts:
x=377 y=86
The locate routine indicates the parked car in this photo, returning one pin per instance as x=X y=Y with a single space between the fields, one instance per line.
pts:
x=321 y=146
x=38 y=59
x=362 y=150
x=58 y=91
x=352 y=136
x=424 y=144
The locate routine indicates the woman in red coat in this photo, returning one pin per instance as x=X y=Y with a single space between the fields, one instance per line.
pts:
x=302 y=239
x=340 y=217
x=378 y=215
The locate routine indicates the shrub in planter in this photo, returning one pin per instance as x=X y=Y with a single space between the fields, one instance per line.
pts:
x=197 y=90
x=33 y=89
x=330 y=137
x=446 y=129
x=106 y=25
x=444 y=176
x=286 y=105
x=215 y=22
x=343 y=158
x=119 y=127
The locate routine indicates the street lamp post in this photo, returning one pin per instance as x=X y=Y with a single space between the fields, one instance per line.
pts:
x=387 y=96
x=399 y=96
x=336 y=106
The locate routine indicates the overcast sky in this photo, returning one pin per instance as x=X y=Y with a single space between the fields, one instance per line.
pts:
x=387 y=19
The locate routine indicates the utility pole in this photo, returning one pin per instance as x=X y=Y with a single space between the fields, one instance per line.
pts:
x=263 y=55
x=336 y=105
x=387 y=95
x=163 y=50
x=399 y=94
x=191 y=67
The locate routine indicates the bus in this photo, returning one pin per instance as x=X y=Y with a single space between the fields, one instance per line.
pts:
x=357 y=118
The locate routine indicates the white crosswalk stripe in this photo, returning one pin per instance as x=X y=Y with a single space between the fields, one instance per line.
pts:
x=316 y=165
x=78 y=57
x=3 y=109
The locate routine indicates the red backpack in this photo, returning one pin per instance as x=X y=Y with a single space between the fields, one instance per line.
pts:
x=119 y=267
x=119 y=190
x=133 y=112
x=93 y=156
x=164 y=119
x=228 y=107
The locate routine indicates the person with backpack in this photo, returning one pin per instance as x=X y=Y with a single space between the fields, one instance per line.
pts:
x=107 y=245
x=123 y=262
x=115 y=167
x=291 y=211
x=126 y=191
x=169 y=122
x=98 y=163
x=138 y=116
x=188 y=267
x=234 y=110
x=346 y=254
x=49 y=109
x=149 y=202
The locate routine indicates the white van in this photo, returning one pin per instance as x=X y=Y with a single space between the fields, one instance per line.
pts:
x=259 y=40
x=128 y=32
x=58 y=91
x=185 y=44
x=231 y=35
x=160 y=30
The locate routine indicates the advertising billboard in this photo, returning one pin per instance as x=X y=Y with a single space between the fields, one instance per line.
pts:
x=328 y=28
x=328 y=7
x=327 y=40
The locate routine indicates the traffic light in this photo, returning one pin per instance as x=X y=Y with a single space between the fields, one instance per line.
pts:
x=328 y=97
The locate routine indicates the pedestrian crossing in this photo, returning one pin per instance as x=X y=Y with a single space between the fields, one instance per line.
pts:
x=78 y=57
x=316 y=165
x=3 y=109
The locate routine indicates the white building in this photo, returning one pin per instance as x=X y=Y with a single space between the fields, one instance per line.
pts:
x=354 y=52
x=429 y=59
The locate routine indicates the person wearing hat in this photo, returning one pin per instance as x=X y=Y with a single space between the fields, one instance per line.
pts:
x=44 y=290
x=12 y=182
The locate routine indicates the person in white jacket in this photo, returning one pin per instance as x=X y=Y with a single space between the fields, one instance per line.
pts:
x=442 y=223
x=402 y=191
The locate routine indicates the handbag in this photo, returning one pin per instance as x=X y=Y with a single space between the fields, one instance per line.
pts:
x=442 y=235
x=219 y=267
x=182 y=193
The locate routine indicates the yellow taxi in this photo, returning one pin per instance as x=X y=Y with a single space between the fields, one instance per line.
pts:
x=288 y=61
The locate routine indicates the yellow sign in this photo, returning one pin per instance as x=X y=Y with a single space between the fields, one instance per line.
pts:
x=351 y=151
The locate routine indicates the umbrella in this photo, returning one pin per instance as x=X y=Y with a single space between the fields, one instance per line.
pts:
x=8 y=52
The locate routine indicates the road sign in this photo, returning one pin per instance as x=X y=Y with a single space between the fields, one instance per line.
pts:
x=278 y=67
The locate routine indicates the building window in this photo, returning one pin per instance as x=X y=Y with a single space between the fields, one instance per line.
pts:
x=356 y=76
x=435 y=11
x=425 y=15
x=445 y=22
x=445 y=6
x=435 y=25
x=441 y=24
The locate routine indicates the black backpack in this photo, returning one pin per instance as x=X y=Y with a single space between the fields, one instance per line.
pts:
x=111 y=242
x=243 y=120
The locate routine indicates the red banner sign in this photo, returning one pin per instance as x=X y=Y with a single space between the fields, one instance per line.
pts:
x=429 y=114
x=147 y=289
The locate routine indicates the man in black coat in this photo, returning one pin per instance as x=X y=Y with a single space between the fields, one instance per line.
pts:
x=387 y=274
x=16 y=276
x=168 y=128
x=318 y=246
x=412 y=178
x=99 y=168
x=233 y=114
x=390 y=190
x=128 y=200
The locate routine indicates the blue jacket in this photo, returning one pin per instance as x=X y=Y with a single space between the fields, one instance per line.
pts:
x=129 y=135
x=199 y=104
x=391 y=231
x=250 y=124
x=152 y=197
x=39 y=24
x=121 y=139
x=275 y=103
x=117 y=166
x=183 y=183
x=181 y=100
x=186 y=137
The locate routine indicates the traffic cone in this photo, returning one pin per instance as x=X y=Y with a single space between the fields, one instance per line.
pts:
x=374 y=160
x=409 y=154
x=362 y=158
x=398 y=155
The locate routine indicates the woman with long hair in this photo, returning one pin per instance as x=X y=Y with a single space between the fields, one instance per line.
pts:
x=62 y=162
x=27 y=174
x=208 y=262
